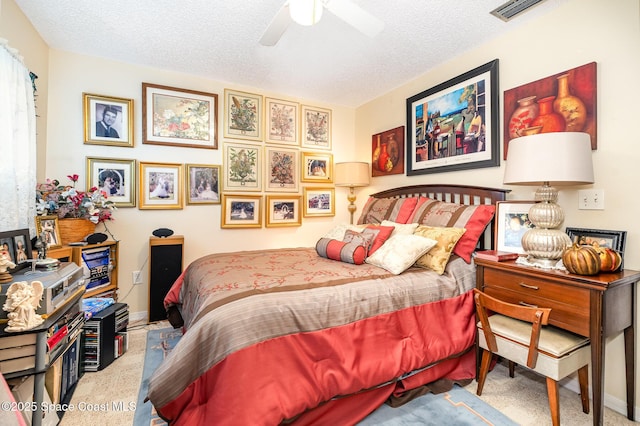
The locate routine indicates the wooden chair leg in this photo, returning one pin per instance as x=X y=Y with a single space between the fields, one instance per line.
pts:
x=583 y=379
x=512 y=367
x=554 y=402
x=484 y=369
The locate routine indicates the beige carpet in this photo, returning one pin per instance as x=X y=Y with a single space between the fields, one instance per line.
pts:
x=523 y=398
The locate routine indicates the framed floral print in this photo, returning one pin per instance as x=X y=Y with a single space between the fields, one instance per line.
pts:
x=283 y=210
x=242 y=167
x=179 y=117
x=241 y=211
x=282 y=122
x=107 y=120
x=316 y=127
x=281 y=169
x=48 y=231
x=242 y=115
x=317 y=167
x=319 y=202
x=160 y=186
x=202 y=184
x=116 y=178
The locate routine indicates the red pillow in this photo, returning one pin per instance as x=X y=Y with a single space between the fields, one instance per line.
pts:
x=380 y=235
x=339 y=250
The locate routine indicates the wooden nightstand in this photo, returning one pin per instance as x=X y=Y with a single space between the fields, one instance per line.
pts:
x=595 y=306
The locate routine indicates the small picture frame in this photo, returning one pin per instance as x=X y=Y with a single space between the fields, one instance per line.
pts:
x=282 y=122
x=615 y=240
x=283 y=210
x=47 y=229
x=107 y=120
x=281 y=169
x=115 y=177
x=179 y=117
x=317 y=167
x=512 y=221
x=242 y=115
x=202 y=184
x=319 y=202
x=242 y=167
x=160 y=186
x=241 y=211
x=18 y=246
x=316 y=127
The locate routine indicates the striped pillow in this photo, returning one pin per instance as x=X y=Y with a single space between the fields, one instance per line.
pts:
x=339 y=250
x=394 y=209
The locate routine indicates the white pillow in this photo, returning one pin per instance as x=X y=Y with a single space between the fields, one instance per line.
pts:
x=401 y=228
x=337 y=233
x=399 y=252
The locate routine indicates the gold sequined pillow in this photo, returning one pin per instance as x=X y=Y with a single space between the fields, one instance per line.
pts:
x=437 y=258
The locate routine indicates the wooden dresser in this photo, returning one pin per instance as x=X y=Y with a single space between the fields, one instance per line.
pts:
x=596 y=306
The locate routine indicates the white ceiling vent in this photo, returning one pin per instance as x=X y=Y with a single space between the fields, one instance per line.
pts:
x=512 y=8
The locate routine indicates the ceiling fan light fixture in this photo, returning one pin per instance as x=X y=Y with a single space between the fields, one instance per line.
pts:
x=306 y=12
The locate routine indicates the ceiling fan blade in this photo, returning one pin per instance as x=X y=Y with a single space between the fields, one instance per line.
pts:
x=277 y=26
x=355 y=16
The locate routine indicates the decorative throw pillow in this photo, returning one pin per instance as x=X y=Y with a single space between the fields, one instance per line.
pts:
x=437 y=258
x=400 y=252
x=394 y=209
x=380 y=235
x=472 y=218
x=400 y=228
x=339 y=250
x=337 y=232
x=358 y=237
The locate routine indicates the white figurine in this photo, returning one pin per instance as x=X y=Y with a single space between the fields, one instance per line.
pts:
x=22 y=301
x=5 y=261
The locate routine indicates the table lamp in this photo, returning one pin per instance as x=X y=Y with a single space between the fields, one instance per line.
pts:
x=562 y=158
x=353 y=175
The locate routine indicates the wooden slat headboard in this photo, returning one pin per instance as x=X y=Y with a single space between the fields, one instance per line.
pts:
x=459 y=194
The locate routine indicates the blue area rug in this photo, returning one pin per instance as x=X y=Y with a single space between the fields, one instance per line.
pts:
x=456 y=407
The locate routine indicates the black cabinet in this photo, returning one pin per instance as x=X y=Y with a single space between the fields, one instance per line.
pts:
x=165 y=266
x=105 y=336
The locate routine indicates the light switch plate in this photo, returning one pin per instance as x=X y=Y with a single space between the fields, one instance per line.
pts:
x=591 y=199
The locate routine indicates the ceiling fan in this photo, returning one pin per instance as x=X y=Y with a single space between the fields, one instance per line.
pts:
x=309 y=12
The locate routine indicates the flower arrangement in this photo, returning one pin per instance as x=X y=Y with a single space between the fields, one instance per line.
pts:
x=67 y=202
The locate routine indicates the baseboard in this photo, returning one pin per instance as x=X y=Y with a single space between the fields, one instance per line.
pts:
x=615 y=404
x=137 y=317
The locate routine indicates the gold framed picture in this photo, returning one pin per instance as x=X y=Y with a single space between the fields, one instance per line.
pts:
x=242 y=115
x=107 y=120
x=316 y=127
x=283 y=210
x=241 y=211
x=281 y=169
x=242 y=167
x=319 y=202
x=203 y=184
x=116 y=178
x=160 y=186
x=48 y=231
x=282 y=122
x=317 y=167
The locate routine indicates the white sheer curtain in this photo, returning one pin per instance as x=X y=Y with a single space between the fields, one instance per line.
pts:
x=17 y=143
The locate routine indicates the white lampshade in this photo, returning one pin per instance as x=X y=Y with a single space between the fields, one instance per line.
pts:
x=562 y=158
x=353 y=174
x=305 y=12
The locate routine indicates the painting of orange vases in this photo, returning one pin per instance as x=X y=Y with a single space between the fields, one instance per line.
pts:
x=563 y=102
x=387 y=152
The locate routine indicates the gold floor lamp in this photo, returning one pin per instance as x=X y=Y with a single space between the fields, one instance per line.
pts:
x=352 y=175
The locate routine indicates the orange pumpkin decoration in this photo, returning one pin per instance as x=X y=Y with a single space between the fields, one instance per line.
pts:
x=581 y=260
x=610 y=260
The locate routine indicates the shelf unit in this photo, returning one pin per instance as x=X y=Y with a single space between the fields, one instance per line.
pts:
x=110 y=290
x=105 y=336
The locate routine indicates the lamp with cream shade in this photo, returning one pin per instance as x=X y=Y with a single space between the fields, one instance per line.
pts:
x=352 y=175
x=562 y=158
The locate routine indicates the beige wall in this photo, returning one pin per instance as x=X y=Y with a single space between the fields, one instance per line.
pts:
x=578 y=32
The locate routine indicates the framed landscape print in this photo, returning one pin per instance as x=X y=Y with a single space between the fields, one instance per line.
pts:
x=319 y=202
x=115 y=177
x=283 y=210
x=179 y=117
x=241 y=211
x=242 y=167
x=242 y=115
x=316 y=127
x=317 y=167
x=202 y=184
x=107 y=120
x=281 y=169
x=160 y=186
x=454 y=125
x=512 y=221
x=282 y=122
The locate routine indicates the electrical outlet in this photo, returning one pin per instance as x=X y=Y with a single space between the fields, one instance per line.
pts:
x=137 y=277
x=591 y=199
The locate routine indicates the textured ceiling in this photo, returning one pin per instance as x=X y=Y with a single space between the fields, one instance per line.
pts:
x=329 y=62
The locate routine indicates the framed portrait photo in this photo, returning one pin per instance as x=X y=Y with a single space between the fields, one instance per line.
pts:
x=203 y=184
x=454 y=125
x=17 y=245
x=242 y=167
x=47 y=229
x=281 y=169
x=317 y=167
x=319 y=202
x=116 y=177
x=242 y=115
x=241 y=211
x=512 y=221
x=160 y=186
x=283 y=210
x=107 y=120
x=179 y=117
x=282 y=122
x=316 y=127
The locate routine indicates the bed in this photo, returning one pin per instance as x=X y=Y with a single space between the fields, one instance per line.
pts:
x=307 y=336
